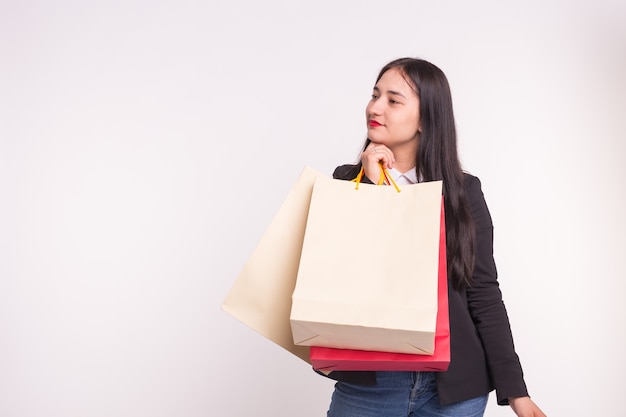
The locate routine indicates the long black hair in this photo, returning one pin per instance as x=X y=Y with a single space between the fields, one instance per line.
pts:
x=437 y=159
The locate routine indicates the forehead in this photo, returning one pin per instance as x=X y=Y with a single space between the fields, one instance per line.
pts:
x=394 y=79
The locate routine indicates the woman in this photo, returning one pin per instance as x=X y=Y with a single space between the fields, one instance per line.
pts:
x=411 y=131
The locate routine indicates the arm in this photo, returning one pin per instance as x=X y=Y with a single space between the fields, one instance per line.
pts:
x=487 y=308
x=490 y=316
x=349 y=172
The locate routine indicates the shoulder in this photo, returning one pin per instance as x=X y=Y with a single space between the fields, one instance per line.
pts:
x=472 y=183
x=347 y=172
x=476 y=200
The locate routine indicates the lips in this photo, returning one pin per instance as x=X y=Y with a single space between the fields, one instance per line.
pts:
x=373 y=123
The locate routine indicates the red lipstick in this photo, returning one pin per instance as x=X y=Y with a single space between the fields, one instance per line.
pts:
x=373 y=123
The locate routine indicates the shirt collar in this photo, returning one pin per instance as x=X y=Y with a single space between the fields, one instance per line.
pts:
x=409 y=177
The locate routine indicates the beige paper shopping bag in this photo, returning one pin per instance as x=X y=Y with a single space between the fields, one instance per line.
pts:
x=261 y=295
x=368 y=271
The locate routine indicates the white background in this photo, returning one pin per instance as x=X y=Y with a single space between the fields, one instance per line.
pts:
x=146 y=145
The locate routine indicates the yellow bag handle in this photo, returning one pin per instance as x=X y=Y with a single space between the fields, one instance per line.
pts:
x=384 y=176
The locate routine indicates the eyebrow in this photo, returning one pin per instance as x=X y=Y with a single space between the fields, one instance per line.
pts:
x=397 y=93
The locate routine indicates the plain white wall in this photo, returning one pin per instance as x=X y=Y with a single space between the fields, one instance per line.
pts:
x=146 y=145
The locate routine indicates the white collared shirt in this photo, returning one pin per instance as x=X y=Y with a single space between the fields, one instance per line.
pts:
x=409 y=177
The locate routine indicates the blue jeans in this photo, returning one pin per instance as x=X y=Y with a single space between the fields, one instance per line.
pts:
x=399 y=394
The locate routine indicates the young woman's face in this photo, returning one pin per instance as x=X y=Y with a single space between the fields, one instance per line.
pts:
x=393 y=112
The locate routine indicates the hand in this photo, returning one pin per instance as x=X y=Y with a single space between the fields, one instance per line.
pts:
x=525 y=407
x=372 y=156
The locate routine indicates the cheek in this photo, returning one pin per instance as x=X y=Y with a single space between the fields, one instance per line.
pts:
x=410 y=124
x=413 y=119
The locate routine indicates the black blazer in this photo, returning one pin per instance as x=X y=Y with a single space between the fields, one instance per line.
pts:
x=482 y=355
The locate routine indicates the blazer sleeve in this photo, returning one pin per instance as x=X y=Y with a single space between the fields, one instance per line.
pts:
x=486 y=305
x=350 y=172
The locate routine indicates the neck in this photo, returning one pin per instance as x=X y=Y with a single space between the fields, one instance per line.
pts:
x=404 y=166
x=405 y=156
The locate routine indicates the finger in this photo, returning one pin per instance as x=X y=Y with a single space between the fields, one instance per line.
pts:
x=377 y=156
x=372 y=154
x=382 y=154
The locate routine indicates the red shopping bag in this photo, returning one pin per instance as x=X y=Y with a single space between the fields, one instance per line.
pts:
x=331 y=359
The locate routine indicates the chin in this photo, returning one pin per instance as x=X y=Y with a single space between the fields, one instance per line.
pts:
x=375 y=138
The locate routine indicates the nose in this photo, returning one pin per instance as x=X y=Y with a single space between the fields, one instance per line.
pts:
x=375 y=107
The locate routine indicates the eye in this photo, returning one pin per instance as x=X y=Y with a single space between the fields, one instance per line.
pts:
x=391 y=101
x=374 y=97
